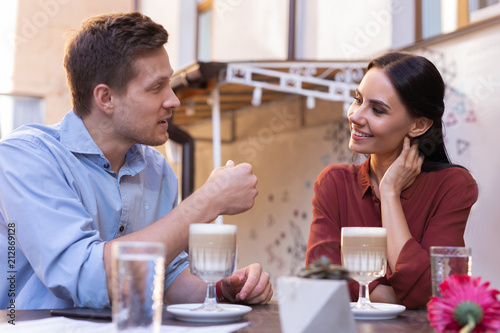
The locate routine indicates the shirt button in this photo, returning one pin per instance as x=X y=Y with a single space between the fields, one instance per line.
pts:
x=106 y=166
x=122 y=228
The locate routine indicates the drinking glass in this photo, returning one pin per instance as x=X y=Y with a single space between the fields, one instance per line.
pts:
x=212 y=256
x=446 y=261
x=137 y=280
x=364 y=255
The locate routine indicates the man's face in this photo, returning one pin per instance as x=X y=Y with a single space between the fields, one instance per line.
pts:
x=141 y=114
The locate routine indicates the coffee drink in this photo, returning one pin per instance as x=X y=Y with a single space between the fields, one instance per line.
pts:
x=364 y=252
x=212 y=250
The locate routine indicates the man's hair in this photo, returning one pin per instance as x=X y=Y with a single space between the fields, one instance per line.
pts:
x=103 y=51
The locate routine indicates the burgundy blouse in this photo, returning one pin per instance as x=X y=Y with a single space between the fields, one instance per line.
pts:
x=436 y=207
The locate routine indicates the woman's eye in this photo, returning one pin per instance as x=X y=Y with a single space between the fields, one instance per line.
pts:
x=357 y=100
x=378 y=111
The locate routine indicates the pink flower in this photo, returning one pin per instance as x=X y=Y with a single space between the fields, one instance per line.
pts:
x=466 y=305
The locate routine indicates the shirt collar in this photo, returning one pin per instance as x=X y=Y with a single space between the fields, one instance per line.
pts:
x=364 y=177
x=76 y=137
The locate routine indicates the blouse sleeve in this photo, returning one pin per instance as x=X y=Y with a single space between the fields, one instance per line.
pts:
x=411 y=279
x=324 y=234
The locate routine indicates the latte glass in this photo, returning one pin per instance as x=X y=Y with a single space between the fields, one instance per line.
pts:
x=212 y=256
x=364 y=255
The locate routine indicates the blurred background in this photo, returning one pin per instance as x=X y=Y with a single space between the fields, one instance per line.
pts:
x=268 y=82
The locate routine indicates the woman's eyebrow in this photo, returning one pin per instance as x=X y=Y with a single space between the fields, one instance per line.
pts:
x=374 y=101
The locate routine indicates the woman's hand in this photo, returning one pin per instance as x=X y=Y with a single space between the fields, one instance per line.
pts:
x=400 y=175
x=403 y=171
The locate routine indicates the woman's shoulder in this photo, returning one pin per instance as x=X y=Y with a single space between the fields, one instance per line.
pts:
x=339 y=171
x=453 y=180
x=452 y=173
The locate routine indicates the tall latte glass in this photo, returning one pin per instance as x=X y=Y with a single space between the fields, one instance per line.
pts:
x=364 y=255
x=212 y=256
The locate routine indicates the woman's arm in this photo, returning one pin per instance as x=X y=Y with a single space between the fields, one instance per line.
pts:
x=398 y=176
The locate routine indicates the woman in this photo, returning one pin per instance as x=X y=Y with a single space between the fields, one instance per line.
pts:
x=406 y=185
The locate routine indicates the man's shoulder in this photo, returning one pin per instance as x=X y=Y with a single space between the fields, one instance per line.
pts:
x=35 y=134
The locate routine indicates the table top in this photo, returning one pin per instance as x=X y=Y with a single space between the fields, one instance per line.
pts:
x=265 y=319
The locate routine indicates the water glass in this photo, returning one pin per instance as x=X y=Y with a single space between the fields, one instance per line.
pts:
x=137 y=280
x=446 y=261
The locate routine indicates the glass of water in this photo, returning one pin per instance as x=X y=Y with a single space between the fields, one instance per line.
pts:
x=137 y=280
x=446 y=261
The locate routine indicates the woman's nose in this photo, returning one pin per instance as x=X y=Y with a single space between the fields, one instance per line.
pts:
x=354 y=113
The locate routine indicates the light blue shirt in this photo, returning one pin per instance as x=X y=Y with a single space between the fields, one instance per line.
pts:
x=60 y=202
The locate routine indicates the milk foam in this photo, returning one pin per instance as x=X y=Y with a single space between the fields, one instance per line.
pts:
x=364 y=231
x=203 y=228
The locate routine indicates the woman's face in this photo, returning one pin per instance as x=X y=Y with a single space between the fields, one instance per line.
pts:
x=377 y=118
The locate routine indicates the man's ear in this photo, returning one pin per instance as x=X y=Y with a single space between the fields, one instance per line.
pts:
x=420 y=126
x=102 y=98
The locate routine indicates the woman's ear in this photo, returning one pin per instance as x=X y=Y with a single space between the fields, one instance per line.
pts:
x=420 y=126
x=102 y=98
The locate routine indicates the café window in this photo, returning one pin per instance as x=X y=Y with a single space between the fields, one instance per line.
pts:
x=483 y=9
x=205 y=10
x=19 y=110
x=438 y=17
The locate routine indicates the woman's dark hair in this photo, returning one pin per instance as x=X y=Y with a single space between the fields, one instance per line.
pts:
x=421 y=89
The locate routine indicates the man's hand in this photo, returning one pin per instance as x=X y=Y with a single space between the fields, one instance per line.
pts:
x=249 y=285
x=231 y=189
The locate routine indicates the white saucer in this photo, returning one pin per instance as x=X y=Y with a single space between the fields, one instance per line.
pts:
x=386 y=311
x=232 y=312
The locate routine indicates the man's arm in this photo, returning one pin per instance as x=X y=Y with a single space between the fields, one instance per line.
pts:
x=229 y=190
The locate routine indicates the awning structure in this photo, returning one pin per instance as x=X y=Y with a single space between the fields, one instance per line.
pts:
x=241 y=84
x=209 y=90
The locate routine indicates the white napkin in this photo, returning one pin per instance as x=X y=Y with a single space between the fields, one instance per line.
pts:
x=67 y=325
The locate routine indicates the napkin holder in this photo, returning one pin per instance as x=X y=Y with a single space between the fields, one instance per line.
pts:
x=314 y=305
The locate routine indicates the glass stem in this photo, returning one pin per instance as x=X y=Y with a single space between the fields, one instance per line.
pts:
x=210 y=303
x=364 y=294
x=210 y=297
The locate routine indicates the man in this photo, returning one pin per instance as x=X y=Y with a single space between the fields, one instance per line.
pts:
x=70 y=190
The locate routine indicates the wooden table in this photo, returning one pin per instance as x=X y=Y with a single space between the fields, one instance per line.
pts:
x=265 y=319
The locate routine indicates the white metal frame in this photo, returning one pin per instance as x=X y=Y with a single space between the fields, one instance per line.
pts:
x=347 y=79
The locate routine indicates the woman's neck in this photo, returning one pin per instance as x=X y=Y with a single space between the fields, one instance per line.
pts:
x=378 y=167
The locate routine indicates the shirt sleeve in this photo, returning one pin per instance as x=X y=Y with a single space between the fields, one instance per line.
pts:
x=411 y=279
x=179 y=264
x=324 y=233
x=53 y=229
